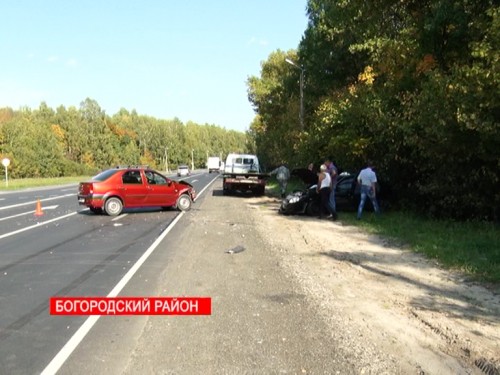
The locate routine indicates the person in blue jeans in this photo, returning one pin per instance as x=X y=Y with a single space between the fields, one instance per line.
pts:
x=367 y=179
x=333 y=172
x=323 y=189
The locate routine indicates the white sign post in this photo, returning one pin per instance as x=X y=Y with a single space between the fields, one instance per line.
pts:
x=6 y=163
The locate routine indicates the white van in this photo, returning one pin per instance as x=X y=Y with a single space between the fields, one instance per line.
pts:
x=242 y=163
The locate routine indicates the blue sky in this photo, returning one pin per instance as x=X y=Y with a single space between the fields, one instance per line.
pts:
x=163 y=58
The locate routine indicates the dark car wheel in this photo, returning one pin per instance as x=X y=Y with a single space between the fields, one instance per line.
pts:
x=113 y=206
x=259 y=190
x=283 y=211
x=184 y=202
x=313 y=208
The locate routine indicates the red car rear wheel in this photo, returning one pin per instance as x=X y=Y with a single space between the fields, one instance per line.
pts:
x=113 y=206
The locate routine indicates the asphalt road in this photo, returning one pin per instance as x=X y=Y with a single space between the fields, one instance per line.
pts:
x=262 y=321
x=67 y=251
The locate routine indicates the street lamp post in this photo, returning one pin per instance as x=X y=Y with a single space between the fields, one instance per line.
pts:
x=166 y=159
x=301 y=85
x=192 y=159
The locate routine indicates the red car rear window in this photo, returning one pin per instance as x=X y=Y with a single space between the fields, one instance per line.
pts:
x=103 y=176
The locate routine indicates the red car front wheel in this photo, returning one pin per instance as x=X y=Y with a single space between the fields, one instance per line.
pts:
x=184 y=202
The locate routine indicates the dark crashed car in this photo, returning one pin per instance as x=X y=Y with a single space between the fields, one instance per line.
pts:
x=128 y=187
x=307 y=201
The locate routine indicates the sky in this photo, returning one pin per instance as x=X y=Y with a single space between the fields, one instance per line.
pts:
x=188 y=59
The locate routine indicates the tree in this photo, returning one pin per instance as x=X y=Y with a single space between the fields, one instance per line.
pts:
x=274 y=96
x=413 y=85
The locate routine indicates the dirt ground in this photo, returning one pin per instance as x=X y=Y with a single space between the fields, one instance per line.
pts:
x=387 y=304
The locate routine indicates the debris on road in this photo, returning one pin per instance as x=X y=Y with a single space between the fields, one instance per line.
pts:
x=235 y=250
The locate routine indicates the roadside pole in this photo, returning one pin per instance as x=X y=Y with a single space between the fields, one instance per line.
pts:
x=6 y=163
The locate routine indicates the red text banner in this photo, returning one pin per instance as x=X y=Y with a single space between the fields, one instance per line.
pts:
x=130 y=306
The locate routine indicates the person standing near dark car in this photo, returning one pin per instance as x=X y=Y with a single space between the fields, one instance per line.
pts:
x=367 y=179
x=282 y=175
x=333 y=171
x=323 y=188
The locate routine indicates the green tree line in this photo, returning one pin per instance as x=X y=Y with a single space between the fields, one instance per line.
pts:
x=70 y=141
x=412 y=86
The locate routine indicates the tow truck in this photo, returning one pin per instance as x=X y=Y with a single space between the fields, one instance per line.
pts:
x=242 y=173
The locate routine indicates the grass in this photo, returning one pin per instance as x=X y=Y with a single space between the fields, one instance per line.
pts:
x=470 y=247
x=273 y=188
x=25 y=183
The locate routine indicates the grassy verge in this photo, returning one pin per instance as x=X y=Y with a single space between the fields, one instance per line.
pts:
x=273 y=188
x=470 y=247
x=24 y=183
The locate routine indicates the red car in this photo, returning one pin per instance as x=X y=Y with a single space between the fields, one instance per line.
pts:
x=124 y=187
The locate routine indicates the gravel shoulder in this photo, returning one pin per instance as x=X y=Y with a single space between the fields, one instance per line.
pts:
x=311 y=297
x=385 y=301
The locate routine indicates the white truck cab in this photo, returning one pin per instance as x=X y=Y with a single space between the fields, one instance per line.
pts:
x=242 y=173
x=242 y=163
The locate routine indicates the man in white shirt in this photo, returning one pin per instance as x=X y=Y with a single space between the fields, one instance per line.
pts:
x=367 y=179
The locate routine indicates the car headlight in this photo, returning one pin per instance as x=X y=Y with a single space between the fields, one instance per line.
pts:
x=293 y=200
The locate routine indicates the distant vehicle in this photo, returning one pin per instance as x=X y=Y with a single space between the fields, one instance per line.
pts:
x=124 y=187
x=213 y=164
x=242 y=173
x=183 y=170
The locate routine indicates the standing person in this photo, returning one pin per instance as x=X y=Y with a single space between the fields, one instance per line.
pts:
x=368 y=181
x=282 y=175
x=323 y=188
x=333 y=171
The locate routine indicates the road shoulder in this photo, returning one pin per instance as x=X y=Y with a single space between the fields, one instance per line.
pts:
x=386 y=297
x=261 y=320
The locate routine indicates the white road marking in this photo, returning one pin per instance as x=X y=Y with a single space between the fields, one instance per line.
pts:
x=79 y=335
x=205 y=188
x=34 y=202
x=29 y=212
x=119 y=217
x=85 y=328
x=36 y=225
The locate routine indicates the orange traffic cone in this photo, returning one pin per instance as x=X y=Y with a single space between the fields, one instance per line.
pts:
x=38 y=211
